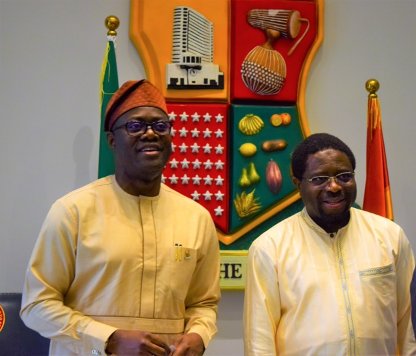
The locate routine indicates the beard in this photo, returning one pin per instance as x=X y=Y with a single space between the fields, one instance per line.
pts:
x=336 y=217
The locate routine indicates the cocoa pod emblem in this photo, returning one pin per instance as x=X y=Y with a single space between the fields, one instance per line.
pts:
x=273 y=177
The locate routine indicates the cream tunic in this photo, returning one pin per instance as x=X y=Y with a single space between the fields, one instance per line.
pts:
x=106 y=259
x=310 y=294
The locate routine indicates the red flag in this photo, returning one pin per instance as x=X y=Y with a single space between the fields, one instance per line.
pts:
x=377 y=196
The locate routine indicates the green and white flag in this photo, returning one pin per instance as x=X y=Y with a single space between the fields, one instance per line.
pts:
x=109 y=85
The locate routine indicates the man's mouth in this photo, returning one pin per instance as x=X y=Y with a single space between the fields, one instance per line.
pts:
x=333 y=202
x=149 y=149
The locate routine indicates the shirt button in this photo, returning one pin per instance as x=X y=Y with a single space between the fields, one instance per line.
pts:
x=95 y=352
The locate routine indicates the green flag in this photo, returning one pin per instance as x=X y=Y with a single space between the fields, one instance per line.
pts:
x=109 y=85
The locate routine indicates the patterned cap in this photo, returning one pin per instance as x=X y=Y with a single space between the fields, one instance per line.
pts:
x=130 y=95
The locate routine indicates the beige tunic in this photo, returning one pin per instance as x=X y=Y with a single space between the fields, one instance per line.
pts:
x=312 y=294
x=106 y=259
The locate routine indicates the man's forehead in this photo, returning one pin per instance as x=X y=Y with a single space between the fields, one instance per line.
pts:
x=327 y=158
x=144 y=113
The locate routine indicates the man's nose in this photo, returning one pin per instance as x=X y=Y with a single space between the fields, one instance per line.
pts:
x=149 y=133
x=333 y=184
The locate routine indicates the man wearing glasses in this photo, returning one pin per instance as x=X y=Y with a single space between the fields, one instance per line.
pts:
x=126 y=265
x=331 y=279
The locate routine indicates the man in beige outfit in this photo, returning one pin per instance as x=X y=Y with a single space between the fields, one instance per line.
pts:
x=331 y=279
x=126 y=265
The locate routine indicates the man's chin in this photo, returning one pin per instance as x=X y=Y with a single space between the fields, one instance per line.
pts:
x=151 y=175
x=336 y=216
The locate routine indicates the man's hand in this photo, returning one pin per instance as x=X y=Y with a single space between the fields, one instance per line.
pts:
x=189 y=345
x=135 y=342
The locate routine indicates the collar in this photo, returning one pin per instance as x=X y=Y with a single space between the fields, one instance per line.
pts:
x=314 y=226
x=128 y=196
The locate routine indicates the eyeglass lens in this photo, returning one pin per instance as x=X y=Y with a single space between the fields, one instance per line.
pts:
x=341 y=178
x=139 y=127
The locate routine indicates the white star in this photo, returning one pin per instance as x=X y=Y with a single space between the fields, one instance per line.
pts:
x=172 y=132
x=219 y=164
x=173 y=163
x=173 y=147
x=163 y=178
x=195 y=148
x=183 y=132
x=219 y=149
x=207 y=148
x=195 y=195
x=184 y=117
x=173 y=179
x=183 y=148
x=218 y=211
x=207 y=195
x=195 y=132
x=219 y=195
x=207 y=117
x=219 y=133
x=172 y=116
x=208 y=164
x=219 y=180
x=207 y=133
x=195 y=117
x=219 y=118
x=185 y=179
x=197 y=164
x=207 y=180
x=185 y=163
x=196 y=180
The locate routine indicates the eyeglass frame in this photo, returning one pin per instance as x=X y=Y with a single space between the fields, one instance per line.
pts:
x=151 y=125
x=326 y=184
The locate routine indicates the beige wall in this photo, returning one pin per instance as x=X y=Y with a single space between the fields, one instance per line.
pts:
x=50 y=60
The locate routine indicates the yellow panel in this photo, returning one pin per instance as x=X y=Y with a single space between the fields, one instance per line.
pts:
x=233 y=270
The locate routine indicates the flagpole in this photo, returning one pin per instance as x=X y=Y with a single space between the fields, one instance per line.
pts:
x=112 y=22
x=372 y=86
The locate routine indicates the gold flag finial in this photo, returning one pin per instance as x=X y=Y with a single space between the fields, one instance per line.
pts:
x=372 y=85
x=112 y=23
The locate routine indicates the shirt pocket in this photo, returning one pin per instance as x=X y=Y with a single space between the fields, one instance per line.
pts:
x=379 y=279
x=182 y=267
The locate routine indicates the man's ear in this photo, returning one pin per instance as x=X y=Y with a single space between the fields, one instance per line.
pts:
x=111 y=140
x=296 y=182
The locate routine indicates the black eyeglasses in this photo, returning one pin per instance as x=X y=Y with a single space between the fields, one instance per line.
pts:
x=138 y=128
x=321 y=182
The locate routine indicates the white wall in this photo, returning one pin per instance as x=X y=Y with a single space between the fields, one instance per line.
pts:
x=50 y=60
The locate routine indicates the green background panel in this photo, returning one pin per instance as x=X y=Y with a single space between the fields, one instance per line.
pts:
x=244 y=242
x=292 y=133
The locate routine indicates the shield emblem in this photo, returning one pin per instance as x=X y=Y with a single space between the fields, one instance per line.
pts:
x=234 y=74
